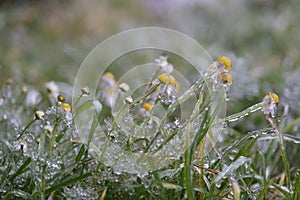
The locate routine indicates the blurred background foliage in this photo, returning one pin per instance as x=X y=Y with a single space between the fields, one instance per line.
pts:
x=47 y=40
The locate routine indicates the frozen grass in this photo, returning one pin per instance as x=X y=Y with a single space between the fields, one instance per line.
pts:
x=45 y=159
x=42 y=156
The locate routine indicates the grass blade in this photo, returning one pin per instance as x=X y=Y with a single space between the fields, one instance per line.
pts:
x=232 y=167
x=68 y=182
x=21 y=169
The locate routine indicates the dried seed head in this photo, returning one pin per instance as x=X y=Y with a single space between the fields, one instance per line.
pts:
x=128 y=100
x=24 y=89
x=124 y=87
x=39 y=114
x=225 y=61
x=85 y=90
x=9 y=81
x=23 y=145
x=48 y=128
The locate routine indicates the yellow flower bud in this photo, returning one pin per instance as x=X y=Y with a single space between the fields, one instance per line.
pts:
x=225 y=61
x=60 y=98
x=147 y=106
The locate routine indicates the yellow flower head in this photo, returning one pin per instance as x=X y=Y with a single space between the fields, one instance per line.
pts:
x=225 y=61
x=174 y=82
x=110 y=91
x=109 y=75
x=274 y=97
x=147 y=106
x=226 y=78
x=270 y=102
x=66 y=107
x=164 y=78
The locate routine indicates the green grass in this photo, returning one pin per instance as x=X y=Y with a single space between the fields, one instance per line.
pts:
x=40 y=163
x=254 y=158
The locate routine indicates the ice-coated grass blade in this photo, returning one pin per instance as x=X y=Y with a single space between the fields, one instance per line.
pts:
x=17 y=193
x=291 y=125
x=296 y=191
x=188 y=168
x=263 y=193
x=232 y=167
x=21 y=169
x=67 y=182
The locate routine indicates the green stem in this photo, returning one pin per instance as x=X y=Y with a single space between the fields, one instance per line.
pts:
x=53 y=136
x=25 y=129
x=282 y=152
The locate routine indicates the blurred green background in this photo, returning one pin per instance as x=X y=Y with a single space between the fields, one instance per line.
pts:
x=42 y=41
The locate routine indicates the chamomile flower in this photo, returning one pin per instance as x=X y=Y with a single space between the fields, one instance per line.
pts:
x=226 y=79
x=221 y=65
x=20 y=146
x=66 y=107
x=53 y=91
x=108 y=94
x=33 y=97
x=168 y=89
x=226 y=62
x=145 y=109
x=270 y=102
x=218 y=71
